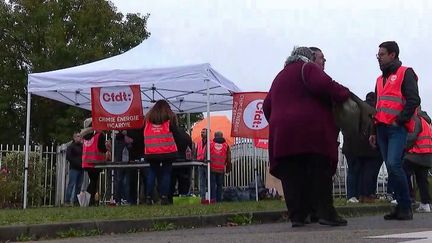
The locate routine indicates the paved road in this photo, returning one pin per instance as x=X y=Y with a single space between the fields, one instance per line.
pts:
x=358 y=230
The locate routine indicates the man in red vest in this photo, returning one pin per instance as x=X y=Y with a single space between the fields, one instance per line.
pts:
x=220 y=157
x=418 y=159
x=397 y=101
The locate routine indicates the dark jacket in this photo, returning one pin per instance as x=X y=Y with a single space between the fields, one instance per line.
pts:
x=136 y=151
x=356 y=141
x=119 y=145
x=74 y=155
x=183 y=141
x=300 y=114
x=409 y=91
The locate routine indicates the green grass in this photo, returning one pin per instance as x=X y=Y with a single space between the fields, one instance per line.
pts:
x=69 y=214
x=74 y=214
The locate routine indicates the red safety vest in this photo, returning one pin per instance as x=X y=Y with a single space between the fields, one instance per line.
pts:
x=158 y=139
x=218 y=155
x=390 y=101
x=201 y=151
x=423 y=143
x=91 y=153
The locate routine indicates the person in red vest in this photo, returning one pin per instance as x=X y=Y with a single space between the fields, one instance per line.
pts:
x=397 y=101
x=220 y=163
x=160 y=149
x=418 y=159
x=201 y=152
x=94 y=151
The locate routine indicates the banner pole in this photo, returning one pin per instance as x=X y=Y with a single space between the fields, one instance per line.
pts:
x=256 y=172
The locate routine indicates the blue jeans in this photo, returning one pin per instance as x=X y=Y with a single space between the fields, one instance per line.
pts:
x=122 y=188
x=391 y=141
x=353 y=176
x=216 y=183
x=202 y=173
x=163 y=174
x=74 y=185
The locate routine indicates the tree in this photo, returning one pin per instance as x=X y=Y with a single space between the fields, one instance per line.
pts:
x=39 y=36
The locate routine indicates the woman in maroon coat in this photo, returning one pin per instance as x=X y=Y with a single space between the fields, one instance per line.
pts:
x=303 y=147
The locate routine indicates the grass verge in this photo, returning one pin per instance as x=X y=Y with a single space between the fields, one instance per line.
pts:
x=76 y=214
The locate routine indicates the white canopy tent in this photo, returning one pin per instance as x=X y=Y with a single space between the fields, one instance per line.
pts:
x=159 y=72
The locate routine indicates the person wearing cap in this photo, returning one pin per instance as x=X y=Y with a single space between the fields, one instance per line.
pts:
x=220 y=163
x=303 y=147
x=397 y=101
x=94 y=151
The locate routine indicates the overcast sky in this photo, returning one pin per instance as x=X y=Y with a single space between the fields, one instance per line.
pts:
x=248 y=41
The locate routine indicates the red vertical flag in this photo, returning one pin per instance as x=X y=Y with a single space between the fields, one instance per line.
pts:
x=117 y=108
x=248 y=119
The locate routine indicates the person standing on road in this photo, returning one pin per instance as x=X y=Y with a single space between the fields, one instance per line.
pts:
x=303 y=147
x=397 y=101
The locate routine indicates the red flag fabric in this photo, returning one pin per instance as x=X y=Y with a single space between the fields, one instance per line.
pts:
x=116 y=108
x=248 y=119
x=261 y=143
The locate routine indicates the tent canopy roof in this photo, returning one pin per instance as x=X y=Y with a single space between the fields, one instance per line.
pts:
x=158 y=71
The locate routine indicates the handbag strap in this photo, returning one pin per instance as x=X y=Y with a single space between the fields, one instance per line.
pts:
x=302 y=72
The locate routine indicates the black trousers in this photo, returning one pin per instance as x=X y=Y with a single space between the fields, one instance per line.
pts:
x=93 y=175
x=307 y=184
x=421 y=176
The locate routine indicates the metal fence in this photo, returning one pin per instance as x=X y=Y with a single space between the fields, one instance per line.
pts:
x=245 y=157
x=47 y=157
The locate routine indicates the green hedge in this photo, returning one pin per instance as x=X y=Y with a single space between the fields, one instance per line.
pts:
x=12 y=180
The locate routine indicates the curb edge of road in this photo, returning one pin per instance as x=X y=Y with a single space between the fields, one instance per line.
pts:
x=50 y=231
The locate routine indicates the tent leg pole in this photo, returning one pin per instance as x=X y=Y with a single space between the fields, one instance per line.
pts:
x=208 y=141
x=188 y=121
x=27 y=149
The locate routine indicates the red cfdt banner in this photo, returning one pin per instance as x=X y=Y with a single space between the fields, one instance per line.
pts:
x=116 y=108
x=248 y=119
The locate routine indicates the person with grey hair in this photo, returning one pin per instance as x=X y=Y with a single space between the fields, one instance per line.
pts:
x=220 y=162
x=303 y=147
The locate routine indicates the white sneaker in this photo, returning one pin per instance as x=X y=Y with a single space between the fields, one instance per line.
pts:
x=424 y=208
x=353 y=200
x=394 y=202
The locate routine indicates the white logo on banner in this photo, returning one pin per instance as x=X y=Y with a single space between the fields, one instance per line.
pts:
x=253 y=115
x=116 y=100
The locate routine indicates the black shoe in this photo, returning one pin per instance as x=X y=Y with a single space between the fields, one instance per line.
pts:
x=165 y=200
x=393 y=215
x=405 y=214
x=296 y=224
x=336 y=221
x=148 y=201
x=311 y=219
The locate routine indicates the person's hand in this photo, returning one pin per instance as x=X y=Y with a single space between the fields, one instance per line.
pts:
x=108 y=144
x=108 y=156
x=128 y=139
x=372 y=141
